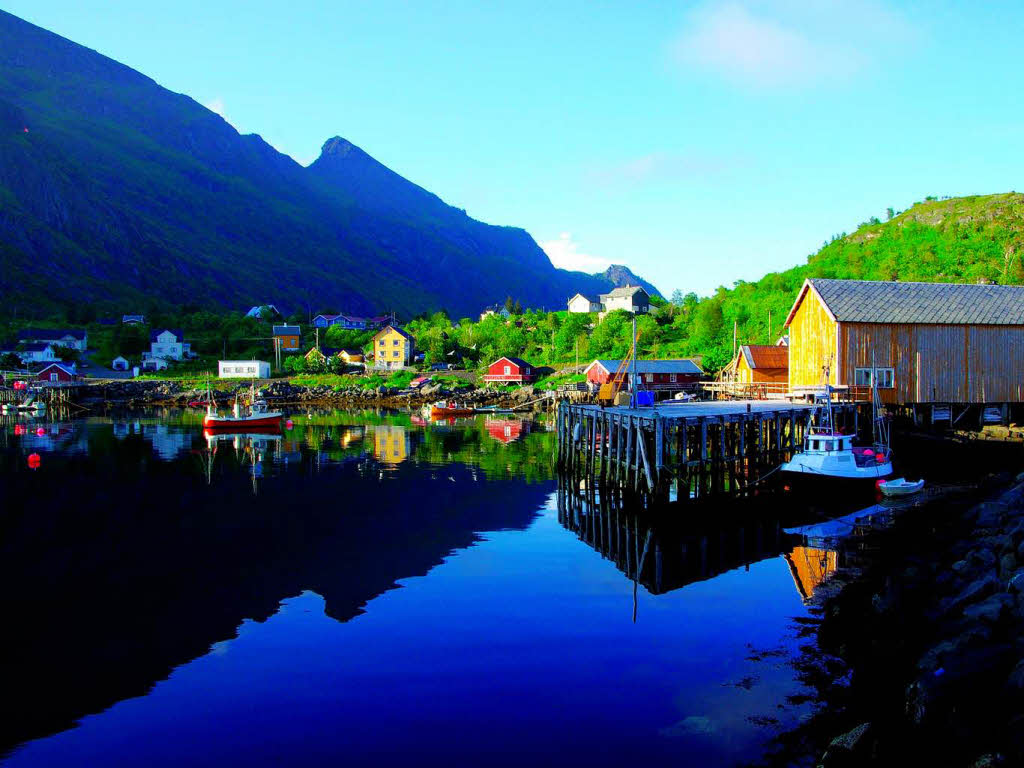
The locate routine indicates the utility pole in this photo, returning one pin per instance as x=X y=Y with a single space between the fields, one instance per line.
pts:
x=769 y=326
x=734 y=326
x=318 y=338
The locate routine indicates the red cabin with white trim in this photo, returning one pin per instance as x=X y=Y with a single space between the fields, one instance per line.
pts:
x=511 y=370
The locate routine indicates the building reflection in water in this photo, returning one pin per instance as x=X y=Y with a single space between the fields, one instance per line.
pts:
x=391 y=443
x=507 y=430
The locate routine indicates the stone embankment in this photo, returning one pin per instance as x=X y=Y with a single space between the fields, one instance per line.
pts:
x=935 y=644
x=171 y=393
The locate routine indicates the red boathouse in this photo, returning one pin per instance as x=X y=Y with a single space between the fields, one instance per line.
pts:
x=510 y=370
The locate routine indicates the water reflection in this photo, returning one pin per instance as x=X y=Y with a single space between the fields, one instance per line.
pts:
x=137 y=545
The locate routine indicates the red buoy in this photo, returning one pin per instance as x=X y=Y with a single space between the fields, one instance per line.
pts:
x=34 y=460
x=41 y=432
x=19 y=429
x=288 y=424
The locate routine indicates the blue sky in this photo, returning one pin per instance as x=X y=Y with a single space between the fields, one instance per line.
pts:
x=699 y=143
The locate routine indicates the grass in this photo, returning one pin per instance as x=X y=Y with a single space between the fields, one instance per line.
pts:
x=554 y=382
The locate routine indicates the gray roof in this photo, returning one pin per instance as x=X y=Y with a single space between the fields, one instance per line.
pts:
x=624 y=291
x=864 y=301
x=654 y=366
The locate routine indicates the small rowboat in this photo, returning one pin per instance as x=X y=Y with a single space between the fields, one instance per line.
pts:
x=443 y=410
x=900 y=486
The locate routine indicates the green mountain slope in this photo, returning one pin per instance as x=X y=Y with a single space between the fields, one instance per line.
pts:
x=117 y=192
x=965 y=240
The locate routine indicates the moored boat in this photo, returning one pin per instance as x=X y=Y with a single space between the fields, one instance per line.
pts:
x=255 y=414
x=830 y=454
x=449 y=409
x=900 y=486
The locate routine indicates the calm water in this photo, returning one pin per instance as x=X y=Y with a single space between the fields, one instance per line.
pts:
x=371 y=590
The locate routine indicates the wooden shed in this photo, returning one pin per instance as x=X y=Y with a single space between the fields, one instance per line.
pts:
x=759 y=363
x=511 y=370
x=916 y=342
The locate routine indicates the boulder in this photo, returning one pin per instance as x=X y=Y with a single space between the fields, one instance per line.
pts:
x=1015 y=582
x=974 y=592
x=1007 y=565
x=990 y=610
x=982 y=558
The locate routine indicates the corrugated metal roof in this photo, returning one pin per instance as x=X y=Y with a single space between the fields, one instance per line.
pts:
x=864 y=301
x=287 y=330
x=654 y=366
x=766 y=357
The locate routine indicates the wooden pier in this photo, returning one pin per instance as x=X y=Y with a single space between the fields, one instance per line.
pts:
x=702 y=448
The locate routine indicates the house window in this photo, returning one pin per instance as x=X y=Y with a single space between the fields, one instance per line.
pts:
x=508 y=370
x=672 y=378
x=382 y=342
x=395 y=342
x=53 y=377
x=526 y=371
x=883 y=378
x=650 y=377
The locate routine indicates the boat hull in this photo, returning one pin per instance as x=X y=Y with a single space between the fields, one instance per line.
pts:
x=450 y=413
x=230 y=423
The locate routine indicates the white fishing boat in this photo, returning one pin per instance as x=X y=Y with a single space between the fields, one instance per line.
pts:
x=900 y=486
x=830 y=454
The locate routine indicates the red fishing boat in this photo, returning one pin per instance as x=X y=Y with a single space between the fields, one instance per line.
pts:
x=449 y=410
x=243 y=417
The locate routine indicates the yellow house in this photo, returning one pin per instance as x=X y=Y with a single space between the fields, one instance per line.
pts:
x=393 y=347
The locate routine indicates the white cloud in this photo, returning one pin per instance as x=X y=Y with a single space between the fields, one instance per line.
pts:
x=217 y=105
x=659 y=168
x=564 y=253
x=780 y=43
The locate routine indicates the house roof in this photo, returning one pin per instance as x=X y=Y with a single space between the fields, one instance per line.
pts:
x=624 y=291
x=255 y=311
x=352 y=352
x=47 y=334
x=179 y=335
x=591 y=299
x=68 y=369
x=765 y=357
x=287 y=330
x=37 y=346
x=865 y=301
x=683 y=366
x=328 y=316
x=516 y=361
x=402 y=331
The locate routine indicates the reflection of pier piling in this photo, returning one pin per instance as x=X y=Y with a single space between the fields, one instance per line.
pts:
x=660 y=554
x=704 y=448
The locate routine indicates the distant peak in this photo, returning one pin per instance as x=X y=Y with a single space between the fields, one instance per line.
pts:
x=339 y=147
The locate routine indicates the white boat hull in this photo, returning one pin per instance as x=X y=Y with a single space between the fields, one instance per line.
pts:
x=840 y=465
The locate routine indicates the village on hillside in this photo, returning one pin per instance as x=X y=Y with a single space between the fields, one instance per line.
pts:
x=917 y=344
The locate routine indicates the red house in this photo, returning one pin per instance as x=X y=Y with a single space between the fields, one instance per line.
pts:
x=57 y=373
x=511 y=370
x=667 y=375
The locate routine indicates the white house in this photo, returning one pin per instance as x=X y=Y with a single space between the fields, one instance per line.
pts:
x=631 y=298
x=168 y=344
x=581 y=303
x=153 y=363
x=243 y=369
x=40 y=352
x=64 y=337
x=119 y=363
x=497 y=309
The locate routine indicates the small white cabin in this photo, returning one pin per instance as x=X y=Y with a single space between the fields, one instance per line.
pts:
x=119 y=363
x=243 y=369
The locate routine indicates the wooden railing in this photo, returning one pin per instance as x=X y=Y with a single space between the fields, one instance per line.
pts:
x=771 y=390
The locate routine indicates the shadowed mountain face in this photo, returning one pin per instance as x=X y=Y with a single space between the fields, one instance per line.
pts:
x=145 y=566
x=116 y=190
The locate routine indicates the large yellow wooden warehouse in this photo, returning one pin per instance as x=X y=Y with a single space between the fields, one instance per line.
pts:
x=917 y=342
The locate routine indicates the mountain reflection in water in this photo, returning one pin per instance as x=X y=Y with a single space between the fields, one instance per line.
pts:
x=185 y=598
x=134 y=562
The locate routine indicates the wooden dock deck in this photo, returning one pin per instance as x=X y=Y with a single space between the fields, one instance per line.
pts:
x=703 y=447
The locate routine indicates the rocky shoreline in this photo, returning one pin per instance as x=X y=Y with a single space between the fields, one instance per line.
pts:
x=171 y=394
x=920 y=652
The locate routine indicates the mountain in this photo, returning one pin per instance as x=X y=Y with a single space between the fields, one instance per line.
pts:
x=120 y=193
x=619 y=275
x=954 y=240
